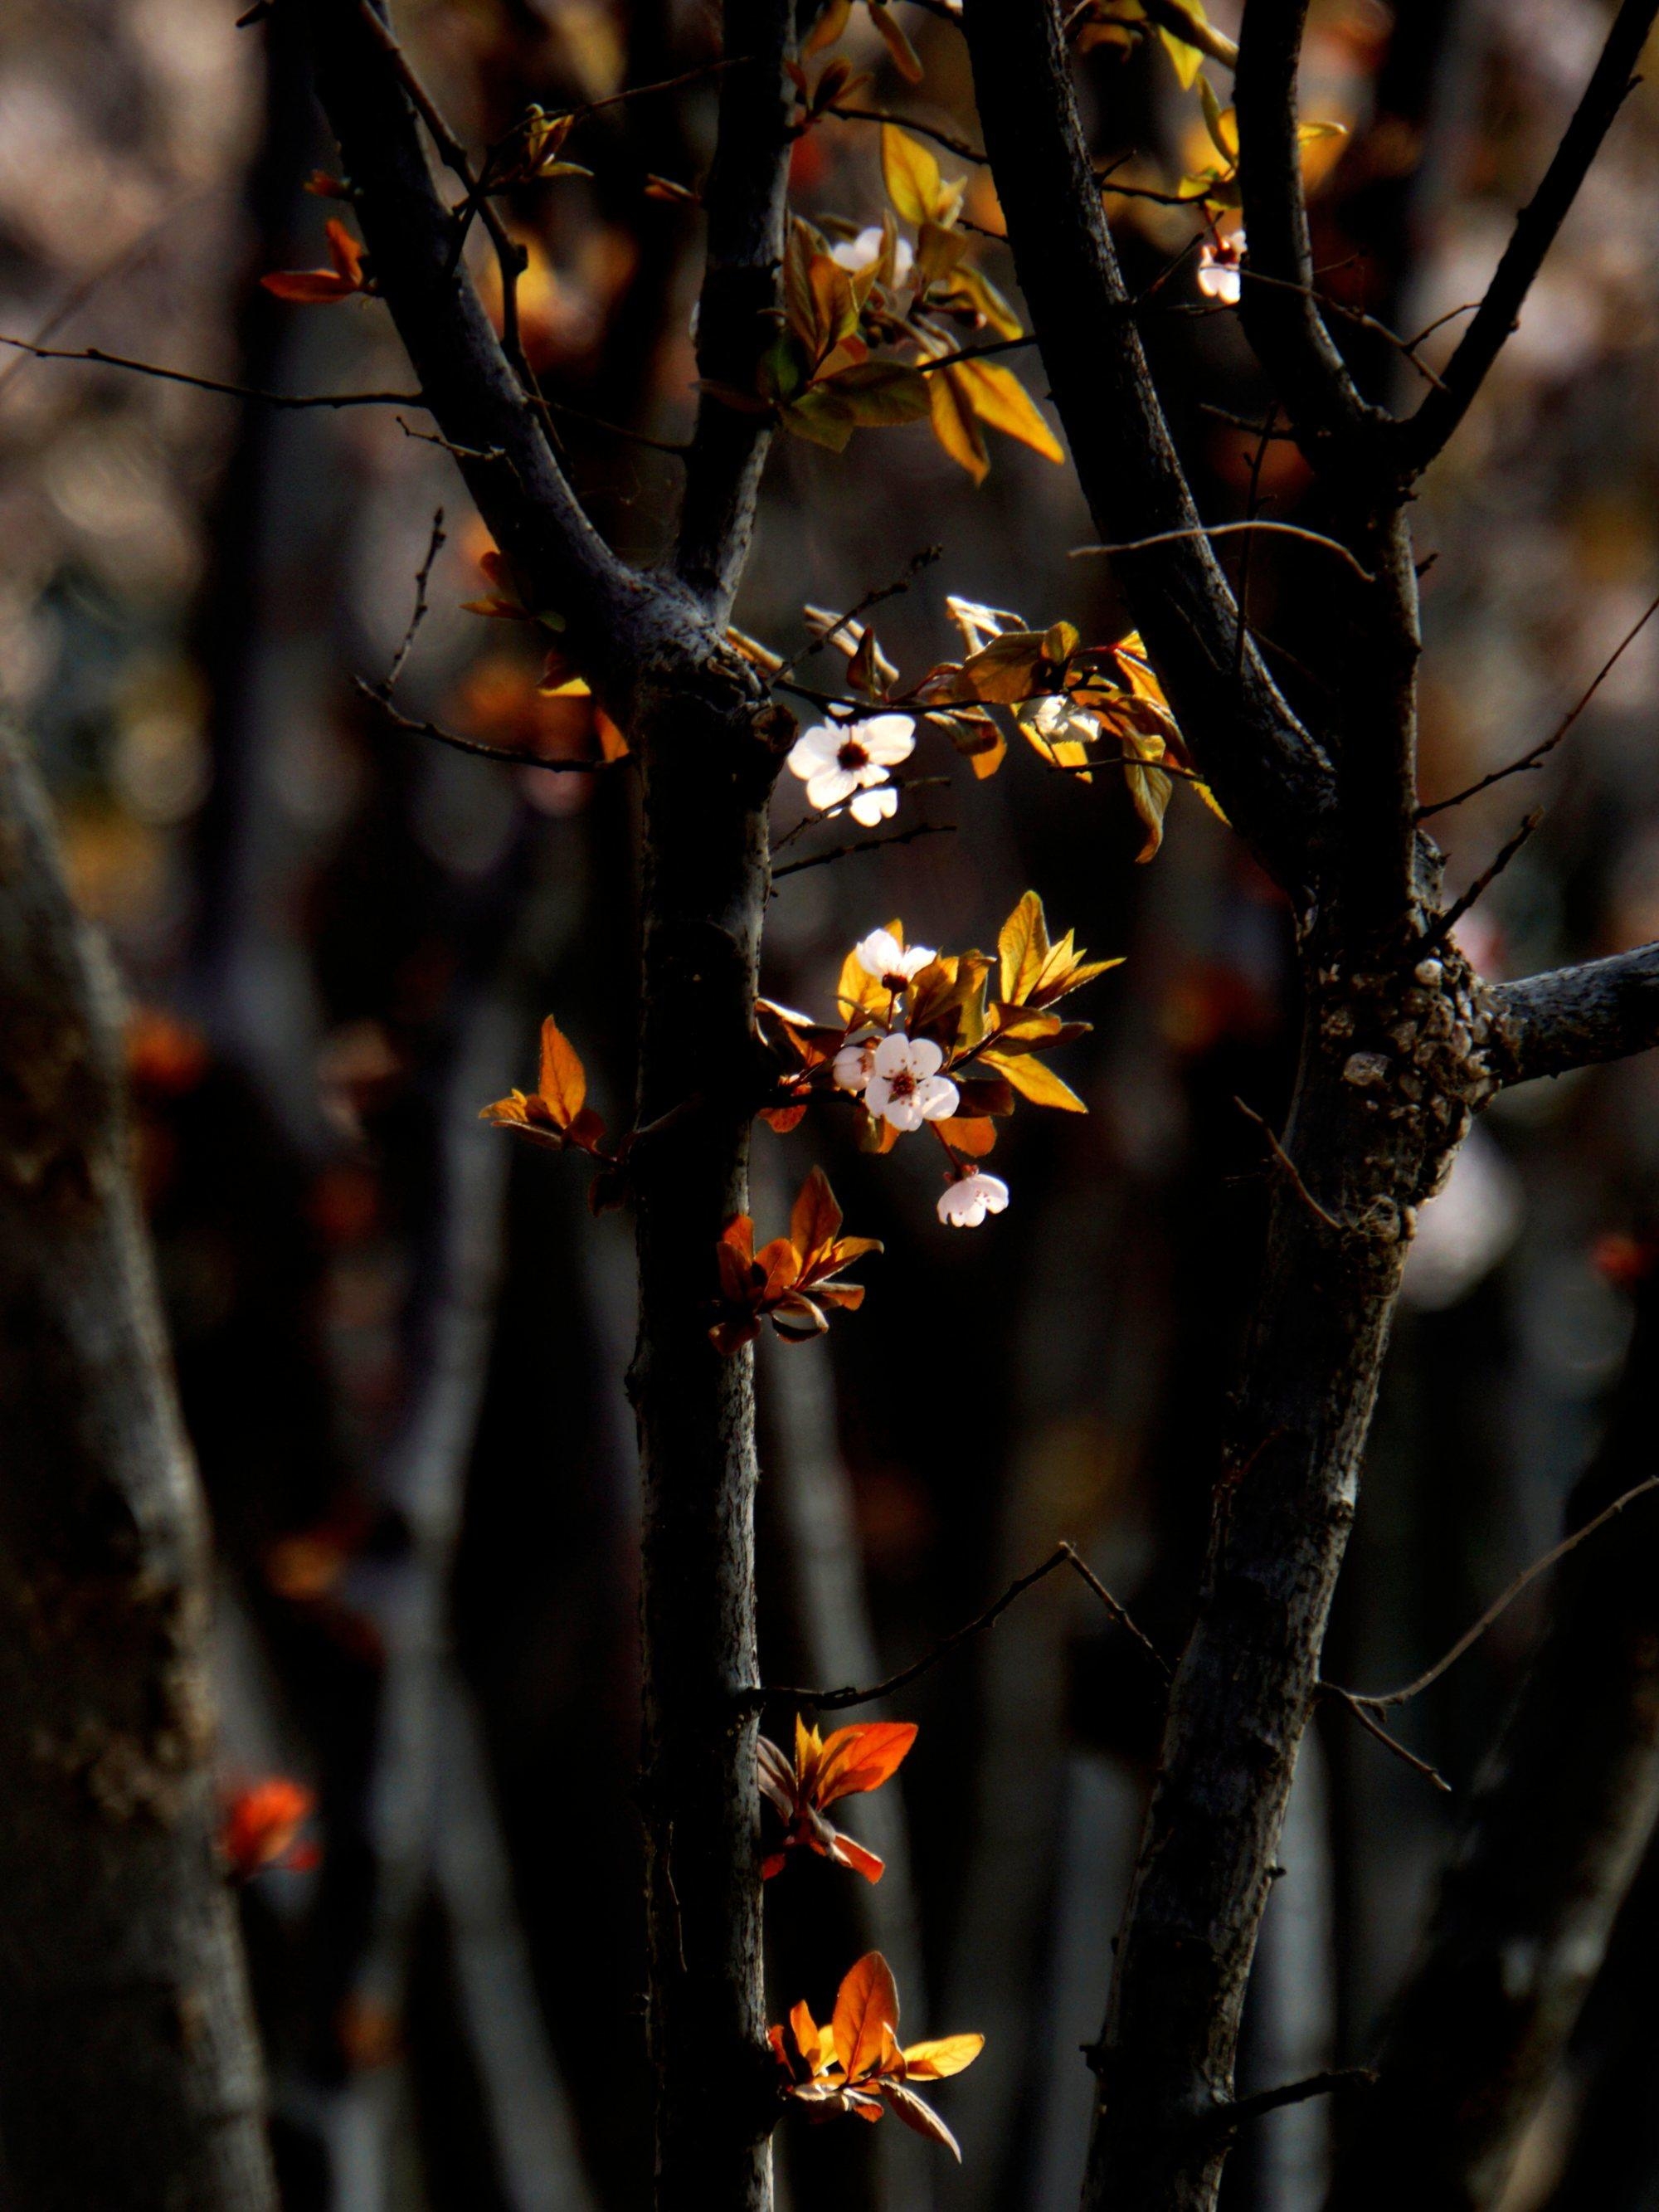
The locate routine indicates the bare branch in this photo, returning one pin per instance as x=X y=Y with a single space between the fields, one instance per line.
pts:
x=863 y=844
x=102 y=359
x=1281 y=316
x=1289 y=1168
x=1535 y=228
x=1230 y=529
x=1063 y=1555
x=1294 y=2092
x=1445 y=923
x=423 y=578
x=1373 y=1727
x=467 y=380
x=476 y=747
x=960 y=147
x=1541 y=751
x=1499 y=1605
x=1576 y=1016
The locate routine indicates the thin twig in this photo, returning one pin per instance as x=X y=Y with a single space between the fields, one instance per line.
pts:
x=1228 y=529
x=1530 y=760
x=863 y=844
x=102 y=359
x=1241 y=2109
x=913 y=567
x=475 y=746
x=927 y=367
x=1291 y=1170
x=1455 y=913
x=1499 y=1605
x=837 y=1700
x=423 y=578
x=1252 y=507
x=959 y=147
x=1358 y=316
x=1119 y=1612
x=1373 y=1727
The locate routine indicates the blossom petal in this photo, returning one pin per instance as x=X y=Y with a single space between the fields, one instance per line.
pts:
x=879 y=805
x=893 y=1056
x=888 y=738
x=815 y=749
x=903 y=1113
x=936 y=1098
x=880 y=953
x=926 y=1057
x=876 y=1092
x=830 y=787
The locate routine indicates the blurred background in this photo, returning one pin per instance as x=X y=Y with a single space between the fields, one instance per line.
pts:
x=400 y=1338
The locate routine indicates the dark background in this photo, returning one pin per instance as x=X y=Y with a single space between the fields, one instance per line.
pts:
x=400 y=1338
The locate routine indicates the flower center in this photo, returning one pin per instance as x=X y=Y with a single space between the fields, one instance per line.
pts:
x=901 y=1085
x=852 y=755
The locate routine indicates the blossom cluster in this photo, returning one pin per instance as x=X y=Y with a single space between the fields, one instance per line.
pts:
x=941 y=1042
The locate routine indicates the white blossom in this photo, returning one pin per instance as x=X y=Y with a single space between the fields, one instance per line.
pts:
x=880 y=954
x=1219 y=277
x=965 y=1203
x=842 y=761
x=864 y=251
x=905 y=1087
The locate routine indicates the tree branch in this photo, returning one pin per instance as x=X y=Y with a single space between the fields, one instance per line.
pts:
x=745 y=201
x=1426 y=434
x=102 y=359
x=1575 y=1016
x=1063 y=1555
x=617 y=620
x=1280 y=315
x=1267 y=773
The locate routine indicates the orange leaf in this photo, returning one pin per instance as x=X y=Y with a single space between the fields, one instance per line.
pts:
x=972 y=1139
x=563 y=1080
x=862 y=1758
x=904 y=57
x=865 y=2004
x=816 y=1219
x=845 y=1852
x=932 y=2062
x=910 y=2108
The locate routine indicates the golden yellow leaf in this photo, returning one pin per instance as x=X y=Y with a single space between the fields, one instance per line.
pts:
x=998 y=397
x=1034 y=1080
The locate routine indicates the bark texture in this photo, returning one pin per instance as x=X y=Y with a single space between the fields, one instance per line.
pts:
x=130 y=2079
x=707 y=779
x=1558 y=1824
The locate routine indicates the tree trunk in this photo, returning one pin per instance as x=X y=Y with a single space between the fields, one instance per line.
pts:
x=1367 y=1153
x=707 y=777
x=130 y=2079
